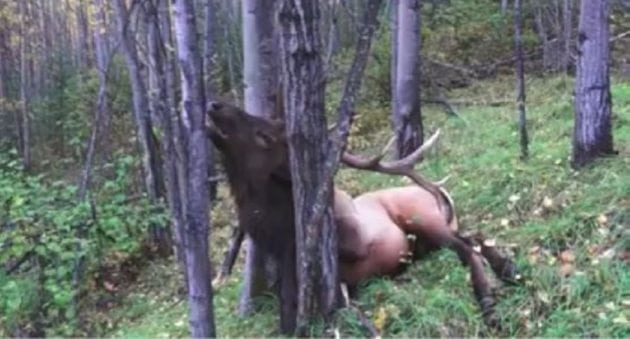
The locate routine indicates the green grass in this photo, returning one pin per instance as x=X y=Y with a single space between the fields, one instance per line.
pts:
x=538 y=209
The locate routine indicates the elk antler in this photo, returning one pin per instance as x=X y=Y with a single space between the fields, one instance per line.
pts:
x=402 y=166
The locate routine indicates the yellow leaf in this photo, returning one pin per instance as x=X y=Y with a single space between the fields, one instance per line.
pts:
x=380 y=319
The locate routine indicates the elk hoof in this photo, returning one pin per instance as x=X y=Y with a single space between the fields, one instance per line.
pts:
x=489 y=315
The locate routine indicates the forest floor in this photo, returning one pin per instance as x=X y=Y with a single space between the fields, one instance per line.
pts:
x=567 y=230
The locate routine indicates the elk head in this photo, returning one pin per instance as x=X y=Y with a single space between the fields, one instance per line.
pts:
x=258 y=143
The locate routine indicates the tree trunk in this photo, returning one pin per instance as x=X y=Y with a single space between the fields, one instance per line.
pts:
x=394 y=47
x=312 y=166
x=308 y=146
x=567 y=19
x=196 y=205
x=592 y=134
x=210 y=75
x=25 y=86
x=210 y=49
x=406 y=90
x=144 y=127
x=83 y=51
x=172 y=146
x=504 y=7
x=520 y=77
x=160 y=107
x=260 y=77
x=102 y=64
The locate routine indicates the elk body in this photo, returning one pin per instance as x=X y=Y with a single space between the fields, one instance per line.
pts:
x=373 y=227
x=256 y=164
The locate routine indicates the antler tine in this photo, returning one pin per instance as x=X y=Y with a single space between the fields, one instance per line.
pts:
x=410 y=160
x=398 y=167
x=387 y=147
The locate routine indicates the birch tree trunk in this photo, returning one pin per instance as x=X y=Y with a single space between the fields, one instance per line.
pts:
x=520 y=78
x=406 y=90
x=174 y=168
x=196 y=225
x=592 y=133
x=260 y=75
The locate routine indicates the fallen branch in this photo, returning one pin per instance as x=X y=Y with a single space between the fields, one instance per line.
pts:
x=449 y=108
x=367 y=325
x=13 y=267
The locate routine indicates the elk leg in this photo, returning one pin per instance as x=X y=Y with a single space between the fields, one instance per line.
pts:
x=481 y=286
x=288 y=293
x=444 y=237
x=503 y=267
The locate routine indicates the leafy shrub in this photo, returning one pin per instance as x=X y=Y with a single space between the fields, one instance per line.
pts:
x=40 y=243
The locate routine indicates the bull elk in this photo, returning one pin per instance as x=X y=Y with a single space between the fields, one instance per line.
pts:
x=373 y=227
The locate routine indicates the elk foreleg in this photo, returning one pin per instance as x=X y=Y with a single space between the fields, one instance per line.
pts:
x=445 y=237
x=503 y=267
x=481 y=287
x=288 y=293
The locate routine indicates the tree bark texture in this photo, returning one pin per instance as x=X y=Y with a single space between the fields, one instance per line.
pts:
x=304 y=95
x=197 y=224
x=520 y=78
x=308 y=147
x=592 y=133
x=406 y=90
x=260 y=77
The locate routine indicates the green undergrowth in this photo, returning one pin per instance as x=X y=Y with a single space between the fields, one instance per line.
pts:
x=567 y=231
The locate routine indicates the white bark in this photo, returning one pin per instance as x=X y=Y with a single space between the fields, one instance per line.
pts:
x=196 y=204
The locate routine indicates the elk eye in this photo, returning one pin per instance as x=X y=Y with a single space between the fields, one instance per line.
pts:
x=214 y=105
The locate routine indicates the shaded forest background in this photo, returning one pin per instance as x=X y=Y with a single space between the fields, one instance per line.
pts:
x=81 y=180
